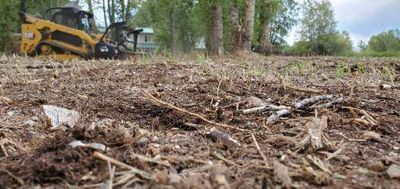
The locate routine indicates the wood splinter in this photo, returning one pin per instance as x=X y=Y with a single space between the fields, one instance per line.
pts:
x=134 y=170
x=269 y=107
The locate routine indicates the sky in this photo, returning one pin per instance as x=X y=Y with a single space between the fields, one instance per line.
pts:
x=362 y=18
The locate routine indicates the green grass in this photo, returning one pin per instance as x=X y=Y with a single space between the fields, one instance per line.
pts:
x=370 y=54
x=342 y=70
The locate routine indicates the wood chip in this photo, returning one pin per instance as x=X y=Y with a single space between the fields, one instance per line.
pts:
x=281 y=174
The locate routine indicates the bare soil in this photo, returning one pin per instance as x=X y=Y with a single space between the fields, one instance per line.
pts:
x=175 y=147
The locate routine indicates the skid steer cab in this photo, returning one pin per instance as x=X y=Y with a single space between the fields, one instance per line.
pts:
x=68 y=33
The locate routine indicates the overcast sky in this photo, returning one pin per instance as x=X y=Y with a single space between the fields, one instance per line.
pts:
x=363 y=18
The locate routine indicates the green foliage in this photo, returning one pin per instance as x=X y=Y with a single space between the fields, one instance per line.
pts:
x=387 y=73
x=388 y=41
x=284 y=19
x=172 y=23
x=8 y=23
x=342 y=70
x=318 y=33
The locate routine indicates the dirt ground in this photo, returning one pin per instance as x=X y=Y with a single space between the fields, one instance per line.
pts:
x=197 y=135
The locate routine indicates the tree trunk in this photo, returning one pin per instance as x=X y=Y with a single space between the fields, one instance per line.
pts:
x=265 y=46
x=123 y=9
x=235 y=29
x=217 y=44
x=111 y=10
x=105 y=13
x=90 y=5
x=129 y=6
x=174 y=45
x=249 y=25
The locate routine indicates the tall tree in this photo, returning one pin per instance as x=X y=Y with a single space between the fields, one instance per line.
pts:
x=90 y=6
x=249 y=25
x=388 y=41
x=234 y=26
x=105 y=13
x=217 y=45
x=318 y=32
x=275 y=19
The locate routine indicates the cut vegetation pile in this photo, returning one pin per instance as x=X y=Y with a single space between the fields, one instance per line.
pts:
x=239 y=122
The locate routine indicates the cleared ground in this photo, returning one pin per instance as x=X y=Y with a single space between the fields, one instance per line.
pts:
x=175 y=149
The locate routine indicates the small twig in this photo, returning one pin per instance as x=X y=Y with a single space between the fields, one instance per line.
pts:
x=20 y=181
x=336 y=153
x=151 y=160
x=134 y=170
x=154 y=99
x=3 y=148
x=317 y=162
x=269 y=107
x=363 y=112
x=259 y=150
x=219 y=156
x=111 y=170
x=351 y=140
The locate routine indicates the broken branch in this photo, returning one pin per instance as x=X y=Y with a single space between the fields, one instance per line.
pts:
x=303 y=104
x=269 y=107
x=259 y=150
x=159 y=102
x=275 y=116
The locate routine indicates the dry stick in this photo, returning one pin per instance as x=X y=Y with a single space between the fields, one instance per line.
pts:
x=328 y=104
x=134 y=170
x=259 y=150
x=306 y=102
x=144 y=158
x=154 y=99
x=317 y=162
x=111 y=170
x=269 y=107
x=20 y=181
x=369 y=118
x=219 y=156
x=3 y=148
x=276 y=115
x=336 y=153
x=351 y=140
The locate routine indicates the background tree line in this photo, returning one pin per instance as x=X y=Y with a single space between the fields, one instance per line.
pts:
x=225 y=25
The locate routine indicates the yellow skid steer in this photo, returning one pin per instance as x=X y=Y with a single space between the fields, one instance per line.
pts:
x=69 y=33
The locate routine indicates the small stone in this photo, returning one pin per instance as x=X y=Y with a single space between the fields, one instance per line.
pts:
x=376 y=166
x=386 y=86
x=394 y=171
x=60 y=116
x=10 y=113
x=174 y=178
